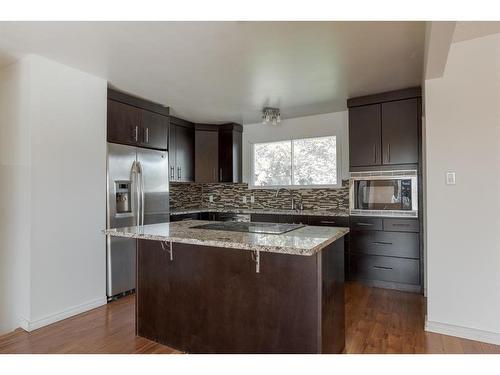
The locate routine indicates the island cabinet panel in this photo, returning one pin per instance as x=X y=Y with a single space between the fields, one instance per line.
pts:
x=211 y=300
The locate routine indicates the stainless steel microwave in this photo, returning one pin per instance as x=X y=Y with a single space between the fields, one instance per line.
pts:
x=384 y=193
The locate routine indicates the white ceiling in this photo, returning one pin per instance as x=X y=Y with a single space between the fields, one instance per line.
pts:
x=466 y=30
x=228 y=71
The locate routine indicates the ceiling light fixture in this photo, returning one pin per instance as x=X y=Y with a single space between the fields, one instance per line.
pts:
x=271 y=116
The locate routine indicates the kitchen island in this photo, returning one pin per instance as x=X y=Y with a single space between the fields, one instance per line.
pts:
x=269 y=289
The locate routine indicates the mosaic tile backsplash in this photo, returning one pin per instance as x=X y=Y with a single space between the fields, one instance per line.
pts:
x=228 y=195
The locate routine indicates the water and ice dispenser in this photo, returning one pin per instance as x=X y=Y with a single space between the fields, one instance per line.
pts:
x=122 y=194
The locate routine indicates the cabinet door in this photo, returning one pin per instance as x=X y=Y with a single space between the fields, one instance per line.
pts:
x=154 y=129
x=390 y=269
x=394 y=244
x=400 y=132
x=230 y=155
x=184 y=139
x=206 y=164
x=172 y=152
x=123 y=123
x=364 y=136
x=329 y=221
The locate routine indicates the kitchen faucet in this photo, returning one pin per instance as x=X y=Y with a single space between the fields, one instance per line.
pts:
x=289 y=192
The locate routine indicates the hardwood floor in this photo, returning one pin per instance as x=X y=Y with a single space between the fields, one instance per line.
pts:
x=387 y=321
x=377 y=321
x=107 y=329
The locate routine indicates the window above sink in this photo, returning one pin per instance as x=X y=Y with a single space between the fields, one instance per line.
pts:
x=295 y=163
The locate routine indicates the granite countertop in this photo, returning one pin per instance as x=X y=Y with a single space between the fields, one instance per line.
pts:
x=306 y=241
x=271 y=211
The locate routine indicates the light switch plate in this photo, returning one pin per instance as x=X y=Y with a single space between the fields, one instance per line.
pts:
x=244 y=199
x=252 y=199
x=450 y=178
x=211 y=198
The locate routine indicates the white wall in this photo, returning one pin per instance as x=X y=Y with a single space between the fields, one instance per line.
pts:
x=15 y=195
x=463 y=220
x=301 y=127
x=64 y=153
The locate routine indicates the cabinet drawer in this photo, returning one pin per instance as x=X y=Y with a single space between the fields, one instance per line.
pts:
x=365 y=223
x=395 y=244
x=401 y=225
x=182 y=217
x=372 y=267
x=293 y=219
x=264 y=218
x=329 y=221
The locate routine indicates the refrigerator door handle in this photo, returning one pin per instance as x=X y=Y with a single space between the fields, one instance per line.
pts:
x=141 y=173
x=136 y=181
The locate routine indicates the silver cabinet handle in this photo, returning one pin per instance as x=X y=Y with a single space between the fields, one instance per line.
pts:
x=146 y=135
x=178 y=172
x=327 y=222
x=381 y=243
x=374 y=153
x=388 y=152
x=172 y=174
x=136 y=133
x=364 y=224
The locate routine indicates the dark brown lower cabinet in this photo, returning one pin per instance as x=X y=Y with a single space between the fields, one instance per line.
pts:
x=385 y=252
x=182 y=217
x=395 y=244
x=211 y=300
x=386 y=270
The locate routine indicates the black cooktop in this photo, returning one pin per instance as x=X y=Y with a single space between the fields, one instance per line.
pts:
x=264 y=228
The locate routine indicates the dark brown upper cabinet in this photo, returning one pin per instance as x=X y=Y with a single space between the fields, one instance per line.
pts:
x=230 y=153
x=154 y=130
x=124 y=122
x=364 y=136
x=218 y=153
x=136 y=122
x=181 y=150
x=400 y=132
x=384 y=129
x=206 y=153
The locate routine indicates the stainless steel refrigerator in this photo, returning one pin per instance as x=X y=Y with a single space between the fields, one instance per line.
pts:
x=137 y=185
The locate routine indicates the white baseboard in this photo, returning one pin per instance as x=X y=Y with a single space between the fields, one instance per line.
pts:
x=53 y=318
x=463 y=332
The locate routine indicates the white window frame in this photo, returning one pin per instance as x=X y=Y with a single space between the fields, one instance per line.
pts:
x=338 y=143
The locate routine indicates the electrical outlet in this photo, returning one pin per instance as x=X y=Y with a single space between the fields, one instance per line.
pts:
x=252 y=199
x=211 y=198
x=244 y=199
x=450 y=178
